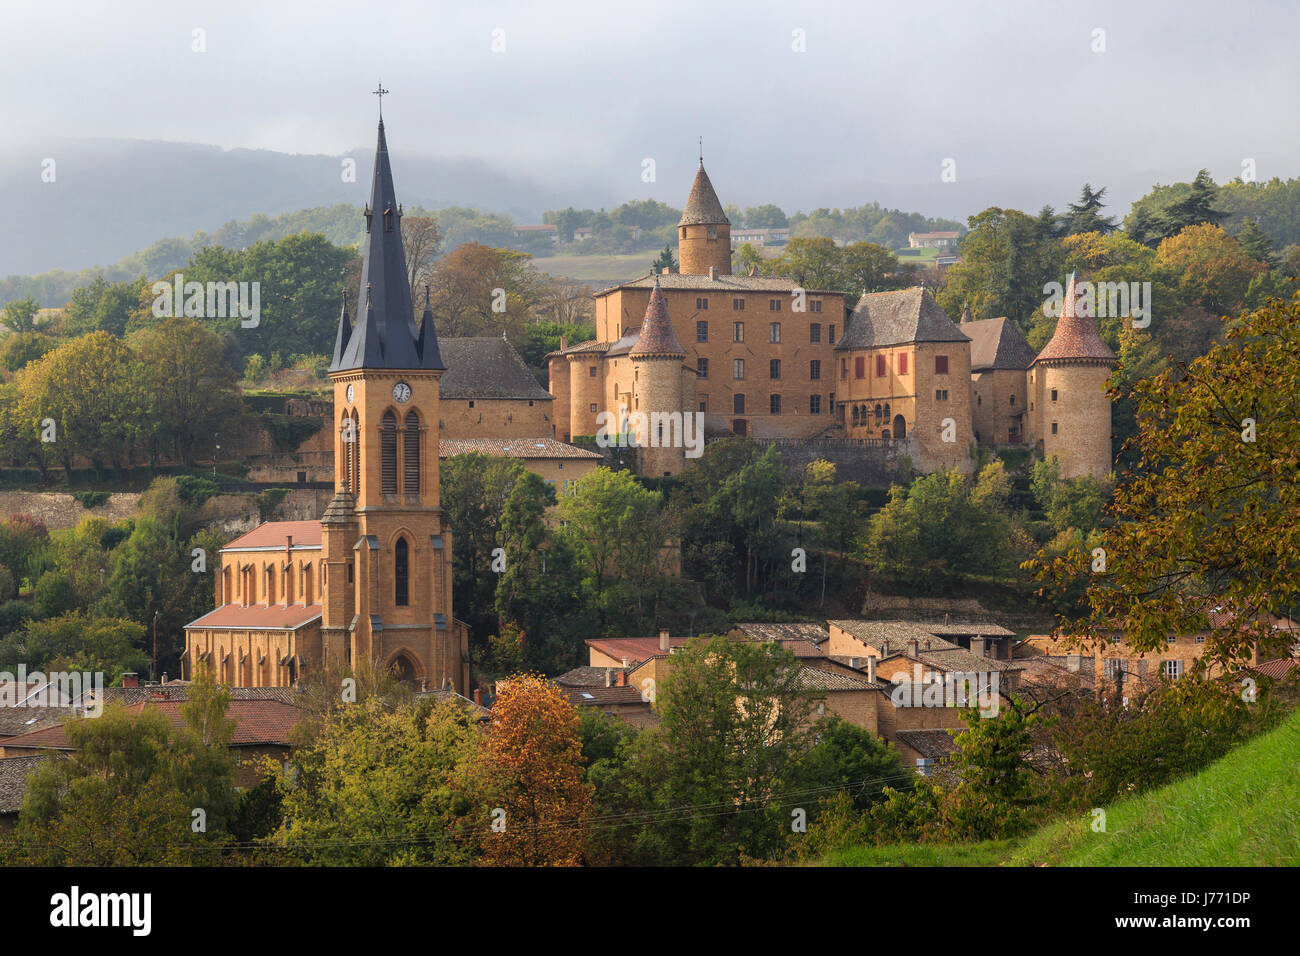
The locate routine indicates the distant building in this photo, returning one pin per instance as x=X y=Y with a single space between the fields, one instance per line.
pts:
x=583 y=233
x=760 y=237
x=932 y=240
x=527 y=232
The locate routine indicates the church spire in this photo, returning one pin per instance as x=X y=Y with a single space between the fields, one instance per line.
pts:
x=385 y=335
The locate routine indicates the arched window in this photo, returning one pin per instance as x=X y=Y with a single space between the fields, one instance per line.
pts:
x=388 y=454
x=345 y=433
x=855 y=413
x=411 y=456
x=401 y=573
x=356 y=453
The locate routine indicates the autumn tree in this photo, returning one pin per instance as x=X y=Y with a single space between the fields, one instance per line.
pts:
x=531 y=767
x=422 y=242
x=482 y=290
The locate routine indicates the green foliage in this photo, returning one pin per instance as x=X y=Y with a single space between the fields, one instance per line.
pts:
x=103 y=306
x=19 y=348
x=77 y=641
x=270 y=500
x=91 y=499
x=1069 y=502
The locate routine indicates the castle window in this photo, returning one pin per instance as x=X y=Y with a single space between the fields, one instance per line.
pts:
x=702 y=303
x=815 y=369
x=815 y=305
x=774 y=332
x=830 y=336
x=879 y=413
x=738 y=368
x=702 y=330
x=704 y=403
x=979 y=400
x=855 y=413
x=401 y=573
x=738 y=404
x=902 y=363
x=774 y=305
x=738 y=331
x=814 y=404
x=774 y=368
x=349 y=572
x=702 y=367
x=711 y=232
x=411 y=455
x=941 y=395
x=738 y=305
x=1053 y=394
x=882 y=366
x=774 y=404
x=388 y=454
x=593 y=408
x=941 y=365
x=1012 y=400
x=471 y=403
x=591 y=371
x=1053 y=428
x=815 y=332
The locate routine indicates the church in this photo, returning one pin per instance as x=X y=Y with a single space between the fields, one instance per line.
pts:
x=372 y=580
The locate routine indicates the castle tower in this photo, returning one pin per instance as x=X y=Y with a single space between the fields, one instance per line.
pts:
x=704 y=233
x=1070 y=412
x=386 y=541
x=657 y=360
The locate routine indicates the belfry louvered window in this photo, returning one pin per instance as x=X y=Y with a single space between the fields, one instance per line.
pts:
x=388 y=454
x=411 y=456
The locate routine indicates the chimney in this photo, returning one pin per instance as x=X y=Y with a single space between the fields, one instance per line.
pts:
x=622 y=679
x=912 y=647
x=564 y=342
x=871 y=669
x=625 y=663
x=977 y=647
x=713 y=273
x=130 y=679
x=663 y=641
x=666 y=271
x=478 y=696
x=609 y=677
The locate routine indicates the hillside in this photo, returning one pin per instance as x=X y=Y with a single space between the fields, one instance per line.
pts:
x=1240 y=811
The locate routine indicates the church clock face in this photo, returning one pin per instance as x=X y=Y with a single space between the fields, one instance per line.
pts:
x=402 y=392
x=351 y=394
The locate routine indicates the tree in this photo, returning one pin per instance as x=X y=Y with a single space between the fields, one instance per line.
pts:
x=103 y=306
x=724 y=766
x=531 y=764
x=1213 y=271
x=666 y=260
x=855 y=761
x=464 y=291
x=1254 y=243
x=20 y=315
x=382 y=786
x=871 y=268
x=422 y=243
x=1068 y=502
x=77 y=641
x=766 y=216
x=1209 y=519
x=1085 y=215
x=19 y=348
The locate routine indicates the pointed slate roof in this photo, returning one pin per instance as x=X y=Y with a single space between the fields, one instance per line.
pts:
x=385 y=335
x=910 y=315
x=1076 y=338
x=997 y=344
x=657 y=336
x=702 y=206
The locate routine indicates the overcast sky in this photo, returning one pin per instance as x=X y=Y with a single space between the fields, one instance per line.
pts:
x=585 y=91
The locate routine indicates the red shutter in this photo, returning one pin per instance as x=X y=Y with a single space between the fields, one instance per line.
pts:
x=941 y=365
x=902 y=363
x=881 y=366
x=859 y=367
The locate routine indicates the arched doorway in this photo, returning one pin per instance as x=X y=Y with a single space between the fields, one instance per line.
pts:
x=900 y=427
x=403 y=669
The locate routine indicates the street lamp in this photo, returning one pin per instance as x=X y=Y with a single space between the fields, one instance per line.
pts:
x=155 y=644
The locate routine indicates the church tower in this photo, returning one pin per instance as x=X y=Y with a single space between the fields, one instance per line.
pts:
x=385 y=539
x=1070 y=410
x=704 y=233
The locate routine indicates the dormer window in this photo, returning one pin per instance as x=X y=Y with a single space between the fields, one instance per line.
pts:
x=369 y=214
x=388 y=219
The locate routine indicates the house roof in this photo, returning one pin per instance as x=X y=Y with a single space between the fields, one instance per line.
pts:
x=385 y=334
x=635 y=649
x=547 y=448
x=596 y=696
x=676 y=281
x=657 y=336
x=272 y=534
x=587 y=676
x=257 y=723
x=961 y=660
x=817 y=679
x=997 y=344
x=892 y=634
x=259 y=617
x=1075 y=338
x=22 y=720
x=929 y=743
x=702 y=205
x=1277 y=669
x=910 y=315
x=489 y=368
x=816 y=633
x=14 y=772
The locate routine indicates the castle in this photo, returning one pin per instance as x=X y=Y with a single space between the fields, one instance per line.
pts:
x=372 y=580
x=760 y=356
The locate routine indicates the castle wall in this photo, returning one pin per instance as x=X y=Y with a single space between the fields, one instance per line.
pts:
x=496 y=418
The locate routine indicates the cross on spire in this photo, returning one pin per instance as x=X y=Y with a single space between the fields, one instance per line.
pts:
x=701 y=151
x=380 y=93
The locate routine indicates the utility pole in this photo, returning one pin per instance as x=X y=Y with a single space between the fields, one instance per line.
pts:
x=155 y=644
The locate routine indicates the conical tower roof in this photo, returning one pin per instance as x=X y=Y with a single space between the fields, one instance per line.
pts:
x=1076 y=338
x=384 y=335
x=702 y=206
x=657 y=336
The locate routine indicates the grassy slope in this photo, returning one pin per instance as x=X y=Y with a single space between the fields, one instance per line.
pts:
x=596 y=268
x=1243 y=810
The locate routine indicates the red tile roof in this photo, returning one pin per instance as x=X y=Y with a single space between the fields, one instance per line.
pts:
x=257 y=723
x=657 y=336
x=1076 y=336
x=236 y=616
x=271 y=534
x=1277 y=669
x=635 y=649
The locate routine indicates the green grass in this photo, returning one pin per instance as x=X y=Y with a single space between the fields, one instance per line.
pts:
x=1243 y=810
x=595 y=267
